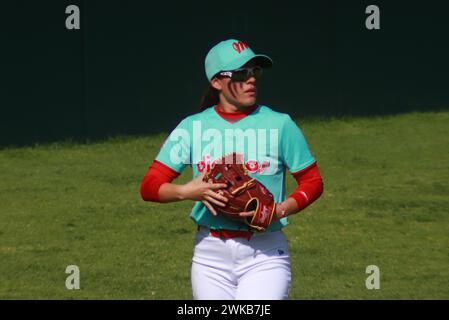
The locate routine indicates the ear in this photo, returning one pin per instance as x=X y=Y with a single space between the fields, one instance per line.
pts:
x=216 y=83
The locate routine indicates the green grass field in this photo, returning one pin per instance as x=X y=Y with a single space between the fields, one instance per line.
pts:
x=386 y=203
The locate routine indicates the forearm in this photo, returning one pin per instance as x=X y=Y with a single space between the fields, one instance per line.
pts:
x=170 y=192
x=157 y=186
x=158 y=175
x=309 y=188
x=307 y=192
x=287 y=207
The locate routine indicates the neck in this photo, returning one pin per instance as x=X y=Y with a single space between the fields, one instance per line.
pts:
x=227 y=107
x=234 y=116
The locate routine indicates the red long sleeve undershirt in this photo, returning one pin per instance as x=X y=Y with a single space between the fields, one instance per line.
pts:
x=310 y=183
x=310 y=186
x=157 y=174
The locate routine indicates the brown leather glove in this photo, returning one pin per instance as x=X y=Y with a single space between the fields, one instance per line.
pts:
x=243 y=192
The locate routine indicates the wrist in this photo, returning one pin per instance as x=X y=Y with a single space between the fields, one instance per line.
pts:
x=182 y=193
x=281 y=211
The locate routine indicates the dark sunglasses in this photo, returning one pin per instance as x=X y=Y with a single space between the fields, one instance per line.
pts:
x=243 y=74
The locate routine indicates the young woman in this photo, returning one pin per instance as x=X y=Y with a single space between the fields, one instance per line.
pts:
x=230 y=261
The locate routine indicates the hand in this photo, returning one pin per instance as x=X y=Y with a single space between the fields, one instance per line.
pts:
x=199 y=190
x=247 y=214
x=279 y=212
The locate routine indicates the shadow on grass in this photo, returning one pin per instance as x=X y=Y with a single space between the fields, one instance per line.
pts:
x=74 y=141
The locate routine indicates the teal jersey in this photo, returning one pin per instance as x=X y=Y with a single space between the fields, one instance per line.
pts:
x=270 y=141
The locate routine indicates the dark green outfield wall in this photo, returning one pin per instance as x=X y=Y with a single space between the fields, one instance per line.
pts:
x=136 y=67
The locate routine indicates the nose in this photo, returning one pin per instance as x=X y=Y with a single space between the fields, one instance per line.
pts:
x=251 y=80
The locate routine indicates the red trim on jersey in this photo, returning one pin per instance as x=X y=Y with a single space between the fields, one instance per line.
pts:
x=310 y=186
x=234 y=116
x=157 y=175
x=299 y=172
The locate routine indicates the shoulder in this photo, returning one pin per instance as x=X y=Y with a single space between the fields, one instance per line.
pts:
x=199 y=116
x=280 y=118
x=202 y=115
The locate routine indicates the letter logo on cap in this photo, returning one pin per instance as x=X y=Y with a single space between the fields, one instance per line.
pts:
x=239 y=46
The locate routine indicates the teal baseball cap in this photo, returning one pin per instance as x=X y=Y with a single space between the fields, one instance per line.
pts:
x=232 y=54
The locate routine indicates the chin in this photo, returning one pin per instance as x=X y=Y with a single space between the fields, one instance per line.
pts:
x=248 y=103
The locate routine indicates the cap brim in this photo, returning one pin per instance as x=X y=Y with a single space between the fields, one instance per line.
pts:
x=260 y=59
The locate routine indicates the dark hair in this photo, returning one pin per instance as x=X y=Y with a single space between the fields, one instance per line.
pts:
x=210 y=97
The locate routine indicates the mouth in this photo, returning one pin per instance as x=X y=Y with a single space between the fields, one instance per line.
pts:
x=251 y=91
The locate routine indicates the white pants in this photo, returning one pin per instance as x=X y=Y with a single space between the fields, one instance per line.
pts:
x=238 y=268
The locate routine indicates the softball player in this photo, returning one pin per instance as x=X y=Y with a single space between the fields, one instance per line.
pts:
x=229 y=260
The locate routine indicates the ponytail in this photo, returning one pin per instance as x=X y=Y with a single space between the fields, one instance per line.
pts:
x=210 y=97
